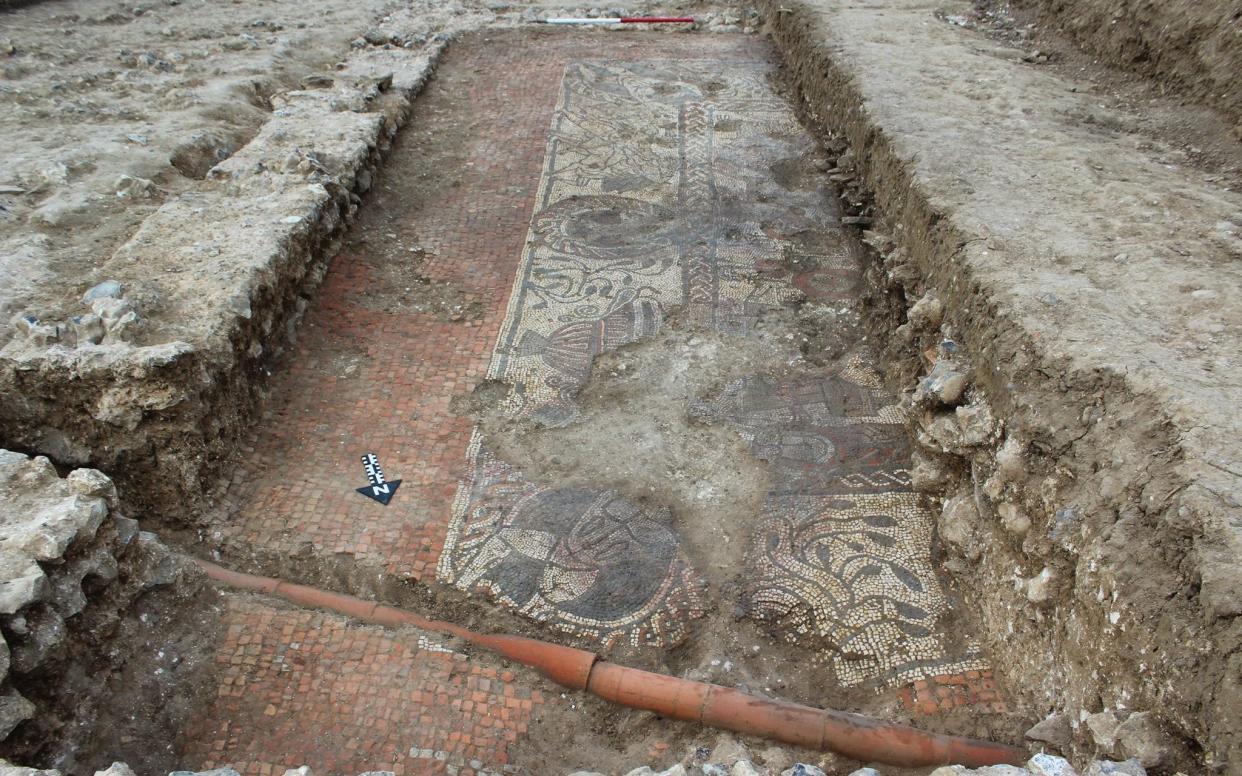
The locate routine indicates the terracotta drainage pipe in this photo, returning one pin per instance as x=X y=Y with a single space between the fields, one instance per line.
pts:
x=853 y=735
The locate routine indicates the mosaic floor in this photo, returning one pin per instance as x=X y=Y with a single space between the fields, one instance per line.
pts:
x=657 y=196
x=575 y=194
x=645 y=207
x=841 y=555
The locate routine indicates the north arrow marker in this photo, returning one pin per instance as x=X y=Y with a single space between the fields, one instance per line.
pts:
x=379 y=489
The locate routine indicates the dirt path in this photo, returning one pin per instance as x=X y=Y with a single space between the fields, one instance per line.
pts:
x=601 y=320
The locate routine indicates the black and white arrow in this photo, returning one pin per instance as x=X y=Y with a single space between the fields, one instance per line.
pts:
x=379 y=489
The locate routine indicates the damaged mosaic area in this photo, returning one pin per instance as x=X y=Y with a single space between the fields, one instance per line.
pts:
x=587 y=561
x=841 y=558
x=668 y=190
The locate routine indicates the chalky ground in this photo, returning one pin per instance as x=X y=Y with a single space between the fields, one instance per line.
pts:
x=571 y=321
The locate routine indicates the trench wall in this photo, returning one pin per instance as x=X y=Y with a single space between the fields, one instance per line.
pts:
x=162 y=413
x=1081 y=526
x=1194 y=48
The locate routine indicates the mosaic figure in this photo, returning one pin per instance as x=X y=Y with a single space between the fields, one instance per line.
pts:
x=585 y=560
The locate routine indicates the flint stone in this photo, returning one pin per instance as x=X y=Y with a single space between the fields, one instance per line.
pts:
x=945 y=384
x=1055 y=730
x=109 y=289
x=1048 y=765
x=1111 y=768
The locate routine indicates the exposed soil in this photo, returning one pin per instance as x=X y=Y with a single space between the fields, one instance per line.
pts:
x=1192 y=51
x=1166 y=117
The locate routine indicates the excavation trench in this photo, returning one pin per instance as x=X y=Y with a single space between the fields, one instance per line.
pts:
x=611 y=359
x=602 y=318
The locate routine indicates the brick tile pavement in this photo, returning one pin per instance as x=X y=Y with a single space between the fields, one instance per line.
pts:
x=976 y=689
x=306 y=687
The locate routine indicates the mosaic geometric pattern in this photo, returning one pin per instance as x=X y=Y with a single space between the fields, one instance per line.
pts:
x=841 y=558
x=644 y=208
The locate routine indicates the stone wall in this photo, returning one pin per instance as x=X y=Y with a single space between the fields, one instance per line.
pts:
x=155 y=373
x=104 y=630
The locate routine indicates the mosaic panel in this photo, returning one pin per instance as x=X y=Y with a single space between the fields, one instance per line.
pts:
x=647 y=205
x=588 y=561
x=640 y=211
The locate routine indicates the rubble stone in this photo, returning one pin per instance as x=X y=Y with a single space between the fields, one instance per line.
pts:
x=957 y=523
x=1054 y=729
x=1141 y=737
x=1048 y=765
x=945 y=384
x=1103 y=728
x=1111 y=768
x=71 y=578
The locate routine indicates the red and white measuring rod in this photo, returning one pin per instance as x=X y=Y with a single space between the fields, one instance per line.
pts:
x=623 y=20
